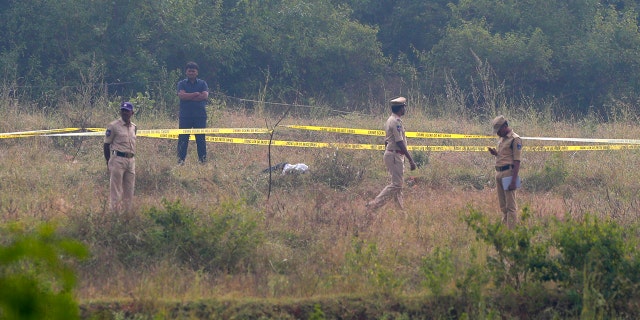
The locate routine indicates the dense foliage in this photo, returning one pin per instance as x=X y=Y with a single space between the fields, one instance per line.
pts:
x=576 y=269
x=36 y=277
x=578 y=53
x=592 y=264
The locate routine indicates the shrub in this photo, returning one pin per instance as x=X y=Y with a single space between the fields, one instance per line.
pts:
x=317 y=313
x=519 y=258
x=363 y=265
x=339 y=170
x=114 y=239
x=553 y=174
x=35 y=277
x=471 y=282
x=598 y=261
x=595 y=267
x=218 y=240
x=437 y=270
x=421 y=158
x=468 y=179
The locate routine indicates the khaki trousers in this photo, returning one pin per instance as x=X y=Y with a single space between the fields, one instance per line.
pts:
x=507 y=200
x=122 y=181
x=395 y=166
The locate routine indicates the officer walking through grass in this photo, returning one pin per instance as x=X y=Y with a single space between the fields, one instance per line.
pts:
x=508 y=156
x=119 y=150
x=394 y=154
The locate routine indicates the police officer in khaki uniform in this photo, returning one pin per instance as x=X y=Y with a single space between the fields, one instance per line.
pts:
x=119 y=150
x=395 y=152
x=508 y=156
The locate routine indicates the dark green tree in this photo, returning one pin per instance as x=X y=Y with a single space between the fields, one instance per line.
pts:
x=404 y=25
x=302 y=50
x=578 y=52
x=604 y=64
x=46 y=41
x=517 y=60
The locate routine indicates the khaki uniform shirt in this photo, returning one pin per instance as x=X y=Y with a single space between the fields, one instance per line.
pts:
x=509 y=149
x=121 y=137
x=394 y=132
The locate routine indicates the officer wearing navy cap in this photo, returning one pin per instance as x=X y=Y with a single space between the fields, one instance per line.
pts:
x=395 y=152
x=119 y=151
x=508 y=156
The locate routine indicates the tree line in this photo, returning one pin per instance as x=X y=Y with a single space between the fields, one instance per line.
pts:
x=583 y=55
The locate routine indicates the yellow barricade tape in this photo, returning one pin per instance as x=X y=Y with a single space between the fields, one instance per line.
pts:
x=417 y=134
x=448 y=148
x=196 y=131
x=365 y=132
x=622 y=141
x=206 y=131
x=436 y=135
x=357 y=146
x=409 y=134
x=583 y=148
x=76 y=134
x=282 y=143
x=612 y=144
x=22 y=134
x=530 y=148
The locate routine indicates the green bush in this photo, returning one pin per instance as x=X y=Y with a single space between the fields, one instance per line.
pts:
x=519 y=258
x=338 y=170
x=317 y=313
x=471 y=281
x=468 y=179
x=365 y=267
x=36 y=278
x=592 y=264
x=217 y=240
x=438 y=270
x=421 y=158
x=552 y=175
x=114 y=239
x=599 y=263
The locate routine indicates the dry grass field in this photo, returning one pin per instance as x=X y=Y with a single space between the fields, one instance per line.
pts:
x=312 y=239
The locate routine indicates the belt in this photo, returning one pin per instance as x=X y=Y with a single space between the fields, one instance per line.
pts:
x=503 y=168
x=396 y=151
x=123 y=154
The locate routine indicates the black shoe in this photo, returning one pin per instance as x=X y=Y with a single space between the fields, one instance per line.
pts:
x=203 y=160
x=181 y=162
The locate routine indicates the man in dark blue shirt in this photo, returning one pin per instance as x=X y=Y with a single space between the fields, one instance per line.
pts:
x=193 y=94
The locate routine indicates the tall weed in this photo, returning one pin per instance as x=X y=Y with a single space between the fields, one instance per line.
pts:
x=552 y=175
x=338 y=170
x=438 y=270
x=365 y=269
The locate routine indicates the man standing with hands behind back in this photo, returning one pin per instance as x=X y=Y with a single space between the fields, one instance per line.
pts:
x=193 y=94
x=508 y=156
x=394 y=154
x=119 y=150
